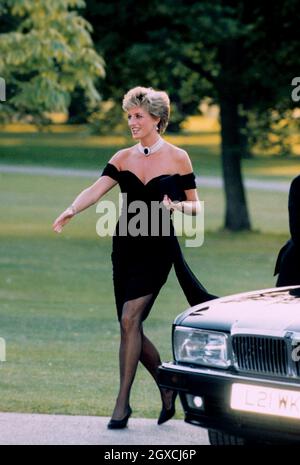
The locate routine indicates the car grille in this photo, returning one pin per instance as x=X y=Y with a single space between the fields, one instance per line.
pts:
x=261 y=354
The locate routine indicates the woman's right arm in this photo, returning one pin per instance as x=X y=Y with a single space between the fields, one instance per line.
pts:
x=85 y=199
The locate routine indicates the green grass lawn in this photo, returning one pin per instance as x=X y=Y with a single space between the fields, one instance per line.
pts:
x=81 y=150
x=57 y=311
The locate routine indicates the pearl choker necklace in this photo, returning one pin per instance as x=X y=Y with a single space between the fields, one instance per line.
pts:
x=152 y=149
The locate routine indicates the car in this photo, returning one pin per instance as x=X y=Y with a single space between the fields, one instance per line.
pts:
x=236 y=366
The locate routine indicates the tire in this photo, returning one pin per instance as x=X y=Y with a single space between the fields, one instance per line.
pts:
x=218 y=438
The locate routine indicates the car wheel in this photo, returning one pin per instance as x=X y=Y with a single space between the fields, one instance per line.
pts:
x=218 y=438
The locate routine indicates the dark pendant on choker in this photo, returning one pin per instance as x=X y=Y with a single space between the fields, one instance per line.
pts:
x=152 y=149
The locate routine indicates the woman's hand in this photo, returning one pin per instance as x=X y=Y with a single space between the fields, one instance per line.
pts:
x=63 y=219
x=190 y=207
x=170 y=205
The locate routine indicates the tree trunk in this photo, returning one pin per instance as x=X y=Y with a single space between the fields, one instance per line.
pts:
x=244 y=142
x=236 y=216
x=229 y=87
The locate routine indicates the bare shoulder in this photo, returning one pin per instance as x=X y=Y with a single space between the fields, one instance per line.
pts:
x=182 y=160
x=120 y=157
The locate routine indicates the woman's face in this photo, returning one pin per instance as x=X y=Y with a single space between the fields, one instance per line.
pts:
x=141 y=123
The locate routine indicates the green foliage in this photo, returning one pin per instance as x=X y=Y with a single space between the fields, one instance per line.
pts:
x=272 y=131
x=46 y=56
x=177 y=46
x=141 y=45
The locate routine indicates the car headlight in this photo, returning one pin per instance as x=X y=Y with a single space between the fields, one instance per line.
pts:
x=201 y=347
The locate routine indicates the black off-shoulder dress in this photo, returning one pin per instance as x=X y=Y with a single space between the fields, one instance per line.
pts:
x=141 y=263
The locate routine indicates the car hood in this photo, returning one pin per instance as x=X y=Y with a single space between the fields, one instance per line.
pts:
x=273 y=311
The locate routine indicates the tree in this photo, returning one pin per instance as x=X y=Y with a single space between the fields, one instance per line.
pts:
x=135 y=38
x=275 y=60
x=190 y=49
x=241 y=54
x=46 y=51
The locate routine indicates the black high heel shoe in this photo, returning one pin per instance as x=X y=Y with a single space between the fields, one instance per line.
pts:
x=167 y=414
x=119 y=424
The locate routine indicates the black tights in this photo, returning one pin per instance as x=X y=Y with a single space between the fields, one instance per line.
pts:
x=135 y=347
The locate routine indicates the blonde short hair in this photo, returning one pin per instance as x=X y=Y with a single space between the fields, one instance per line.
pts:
x=157 y=103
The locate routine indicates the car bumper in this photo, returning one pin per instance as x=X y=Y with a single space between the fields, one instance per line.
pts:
x=213 y=388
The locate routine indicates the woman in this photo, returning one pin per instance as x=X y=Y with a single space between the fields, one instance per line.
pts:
x=288 y=261
x=147 y=172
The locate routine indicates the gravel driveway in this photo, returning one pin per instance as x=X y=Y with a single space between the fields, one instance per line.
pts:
x=40 y=429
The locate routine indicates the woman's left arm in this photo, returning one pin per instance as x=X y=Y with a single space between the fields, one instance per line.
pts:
x=192 y=205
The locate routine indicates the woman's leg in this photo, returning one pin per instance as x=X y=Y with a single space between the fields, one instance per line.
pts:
x=150 y=358
x=130 y=349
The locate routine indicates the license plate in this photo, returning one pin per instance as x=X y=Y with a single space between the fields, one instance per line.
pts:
x=265 y=400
